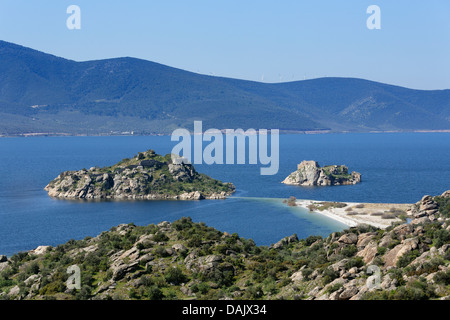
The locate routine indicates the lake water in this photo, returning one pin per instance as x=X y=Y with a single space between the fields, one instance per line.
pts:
x=396 y=168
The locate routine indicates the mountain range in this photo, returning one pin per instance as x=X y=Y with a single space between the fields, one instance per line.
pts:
x=42 y=93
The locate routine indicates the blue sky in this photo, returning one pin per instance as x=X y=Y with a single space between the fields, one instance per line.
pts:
x=258 y=40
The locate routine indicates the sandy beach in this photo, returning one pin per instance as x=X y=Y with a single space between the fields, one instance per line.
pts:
x=380 y=215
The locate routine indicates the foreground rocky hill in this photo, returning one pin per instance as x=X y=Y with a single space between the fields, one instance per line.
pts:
x=309 y=173
x=145 y=176
x=187 y=260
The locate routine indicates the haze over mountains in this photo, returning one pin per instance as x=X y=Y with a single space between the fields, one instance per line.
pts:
x=41 y=93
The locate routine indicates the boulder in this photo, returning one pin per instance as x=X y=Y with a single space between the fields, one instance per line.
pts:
x=364 y=239
x=31 y=279
x=423 y=220
x=131 y=254
x=202 y=264
x=191 y=196
x=3 y=265
x=322 y=294
x=309 y=173
x=348 y=238
x=392 y=256
x=14 y=291
x=40 y=250
x=446 y=194
x=402 y=230
x=146 y=258
x=369 y=252
x=388 y=283
x=387 y=240
x=297 y=276
x=428 y=206
x=285 y=241
x=315 y=291
x=339 y=265
x=121 y=270
x=179 y=248
x=349 y=292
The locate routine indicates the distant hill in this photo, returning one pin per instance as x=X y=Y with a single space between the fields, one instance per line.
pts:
x=43 y=93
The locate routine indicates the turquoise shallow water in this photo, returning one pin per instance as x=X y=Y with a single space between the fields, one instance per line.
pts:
x=396 y=168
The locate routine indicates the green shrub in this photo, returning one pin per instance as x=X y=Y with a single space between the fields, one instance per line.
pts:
x=416 y=290
x=161 y=252
x=160 y=237
x=444 y=206
x=52 y=288
x=349 y=251
x=32 y=268
x=441 y=237
x=306 y=273
x=175 y=276
x=254 y=292
x=311 y=239
x=5 y=282
x=329 y=275
x=84 y=293
x=270 y=287
x=202 y=288
x=334 y=287
x=183 y=223
x=195 y=241
x=155 y=293
x=442 y=277
x=381 y=251
x=407 y=258
x=397 y=274
x=354 y=262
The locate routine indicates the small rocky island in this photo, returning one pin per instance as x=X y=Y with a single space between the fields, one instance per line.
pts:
x=309 y=173
x=147 y=176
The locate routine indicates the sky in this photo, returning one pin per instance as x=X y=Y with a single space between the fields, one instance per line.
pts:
x=258 y=40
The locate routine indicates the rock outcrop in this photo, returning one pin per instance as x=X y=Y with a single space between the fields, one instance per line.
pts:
x=146 y=176
x=425 y=210
x=309 y=173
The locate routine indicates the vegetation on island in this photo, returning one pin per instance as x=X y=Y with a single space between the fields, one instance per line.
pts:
x=337 y=172
x=145 y=176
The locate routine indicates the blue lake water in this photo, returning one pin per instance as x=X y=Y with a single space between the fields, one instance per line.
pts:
x=396 y=168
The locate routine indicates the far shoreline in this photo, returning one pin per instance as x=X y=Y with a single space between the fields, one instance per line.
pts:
x=282 y=132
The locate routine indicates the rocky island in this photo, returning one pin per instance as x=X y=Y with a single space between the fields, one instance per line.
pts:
x=146 y=176
x=309 y=173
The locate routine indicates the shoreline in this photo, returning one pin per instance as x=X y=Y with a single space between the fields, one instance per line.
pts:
x=356 y=213
x=128 y=134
